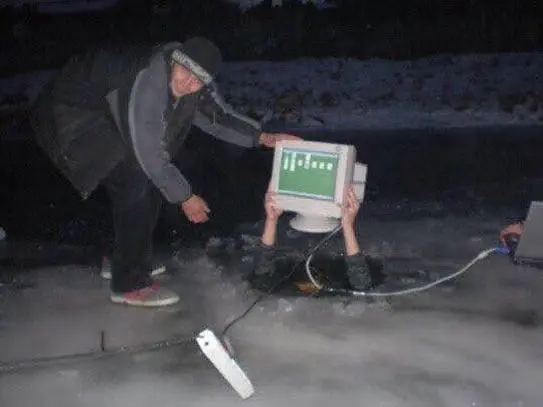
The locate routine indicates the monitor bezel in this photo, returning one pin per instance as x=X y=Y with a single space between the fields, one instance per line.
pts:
x=295 y=203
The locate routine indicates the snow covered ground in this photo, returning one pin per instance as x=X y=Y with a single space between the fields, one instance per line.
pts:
x=441 y=91
x=475 y=342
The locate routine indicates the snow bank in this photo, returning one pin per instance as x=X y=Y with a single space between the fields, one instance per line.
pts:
x=248 y=4
x=327 y=94
x=470 y=90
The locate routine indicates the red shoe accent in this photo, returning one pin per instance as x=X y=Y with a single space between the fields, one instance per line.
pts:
x=140 y=295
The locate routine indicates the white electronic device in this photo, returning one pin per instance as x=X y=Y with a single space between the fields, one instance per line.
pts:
x=310 y=178
x=529 y=250
x=224 y=363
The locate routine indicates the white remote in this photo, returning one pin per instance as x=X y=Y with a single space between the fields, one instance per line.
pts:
x=224 y=363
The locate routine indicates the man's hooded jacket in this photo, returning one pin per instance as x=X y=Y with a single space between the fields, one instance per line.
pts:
x=112 y=104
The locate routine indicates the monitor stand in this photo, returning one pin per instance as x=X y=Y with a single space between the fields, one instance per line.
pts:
x=313 y=224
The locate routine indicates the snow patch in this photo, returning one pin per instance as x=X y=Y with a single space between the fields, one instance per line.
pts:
x=445 y=90
x=331 y=94
x=249 y=4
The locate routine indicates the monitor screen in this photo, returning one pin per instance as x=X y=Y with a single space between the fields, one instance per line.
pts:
x=310 y=174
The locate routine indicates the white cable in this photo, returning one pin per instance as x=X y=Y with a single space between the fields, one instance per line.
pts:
x=313 y=251
x=482 y=255
x=309 y=274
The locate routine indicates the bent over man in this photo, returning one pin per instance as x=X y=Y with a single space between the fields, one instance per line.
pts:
x=115 y=117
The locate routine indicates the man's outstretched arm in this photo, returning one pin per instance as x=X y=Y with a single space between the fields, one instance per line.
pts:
x=216 y=117
x=147 y=127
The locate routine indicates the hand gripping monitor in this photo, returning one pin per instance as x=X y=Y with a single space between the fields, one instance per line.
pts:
x=310 y=179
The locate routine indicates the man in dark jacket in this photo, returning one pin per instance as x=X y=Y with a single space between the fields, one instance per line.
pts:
x=116 y=117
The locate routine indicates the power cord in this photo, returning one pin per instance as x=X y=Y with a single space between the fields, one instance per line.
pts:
x=309 y=256
x=165 y=344
x=482 y=255
x=93 y=355
x=278 y=284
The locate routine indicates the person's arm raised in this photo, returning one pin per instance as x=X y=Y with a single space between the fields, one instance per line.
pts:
x=358 y=272
x=265 y=255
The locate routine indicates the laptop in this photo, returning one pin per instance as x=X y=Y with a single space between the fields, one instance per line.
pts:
x=529 y=249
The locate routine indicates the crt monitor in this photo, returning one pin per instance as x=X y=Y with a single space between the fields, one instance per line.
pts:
x=310 y=178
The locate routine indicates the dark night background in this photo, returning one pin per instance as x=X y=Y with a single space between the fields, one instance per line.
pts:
x=363 y=29
x=406 y=29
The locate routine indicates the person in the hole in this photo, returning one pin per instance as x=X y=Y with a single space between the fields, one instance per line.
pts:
x=353 y=270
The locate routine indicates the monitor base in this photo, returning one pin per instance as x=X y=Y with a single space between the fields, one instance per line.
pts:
x=313 y=224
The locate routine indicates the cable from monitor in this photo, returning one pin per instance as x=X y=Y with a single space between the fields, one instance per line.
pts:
x=169 y=343
x=287 y=277
x=482 y=255
x=309 y=256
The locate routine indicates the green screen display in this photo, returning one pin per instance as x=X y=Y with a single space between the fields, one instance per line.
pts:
x=308 y=173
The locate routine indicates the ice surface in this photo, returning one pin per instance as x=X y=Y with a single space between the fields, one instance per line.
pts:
x=324 y=94
x=475 y=343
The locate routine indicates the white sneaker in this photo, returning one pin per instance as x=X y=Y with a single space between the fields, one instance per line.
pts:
x=153 y=296
x=105 y=272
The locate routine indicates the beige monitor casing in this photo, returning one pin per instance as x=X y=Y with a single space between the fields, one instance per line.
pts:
x=308 y=206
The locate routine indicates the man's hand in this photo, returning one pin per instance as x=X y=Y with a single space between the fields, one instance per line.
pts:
x=195 y=209
x=269 y=139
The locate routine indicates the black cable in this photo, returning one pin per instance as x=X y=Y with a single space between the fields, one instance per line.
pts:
x=153 y=346
x=270 y=291
x=94 y=355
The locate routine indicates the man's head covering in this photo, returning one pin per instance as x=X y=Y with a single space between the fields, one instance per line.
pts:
x=201 y=57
